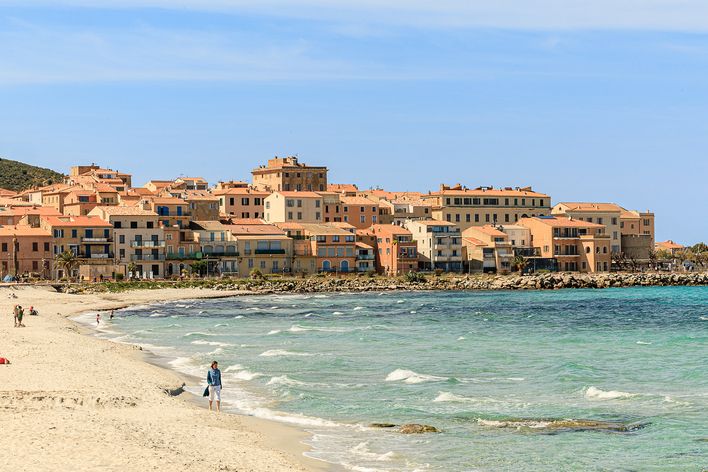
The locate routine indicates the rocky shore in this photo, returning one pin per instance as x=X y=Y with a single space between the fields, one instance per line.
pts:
x=546 y=281
x=550 y=281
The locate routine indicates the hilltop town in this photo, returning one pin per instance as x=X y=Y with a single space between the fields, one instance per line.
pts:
x=291 y=220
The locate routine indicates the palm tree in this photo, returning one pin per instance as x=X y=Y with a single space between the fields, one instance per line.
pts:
x=68 y=261
x=519 y=263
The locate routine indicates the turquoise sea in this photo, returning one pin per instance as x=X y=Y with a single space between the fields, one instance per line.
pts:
x=584 y=380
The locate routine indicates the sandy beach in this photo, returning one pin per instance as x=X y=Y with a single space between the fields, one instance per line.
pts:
x=71 y=401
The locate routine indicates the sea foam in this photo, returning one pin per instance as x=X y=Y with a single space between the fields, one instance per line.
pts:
x=594 y=393
x=283 y=353
x=410 y=377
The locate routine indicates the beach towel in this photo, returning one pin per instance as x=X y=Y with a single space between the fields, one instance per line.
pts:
x=7 y=361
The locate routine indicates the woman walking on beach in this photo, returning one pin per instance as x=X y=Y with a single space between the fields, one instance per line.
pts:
x=214 y=381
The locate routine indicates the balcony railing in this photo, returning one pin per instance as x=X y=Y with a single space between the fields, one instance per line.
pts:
x=365 y=257
x=147 y=257
x=214 y=254
x=184 y=257
x=96 y=240
x=270 y=251
x=101 y=256
x=147 y=243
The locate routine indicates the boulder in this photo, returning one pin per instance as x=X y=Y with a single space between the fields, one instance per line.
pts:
x=417 y=429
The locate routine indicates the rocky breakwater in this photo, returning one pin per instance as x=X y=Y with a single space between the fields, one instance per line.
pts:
x=548 y=281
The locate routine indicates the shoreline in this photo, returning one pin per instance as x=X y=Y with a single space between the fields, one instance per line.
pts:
x=113 y=400
x=280 y=436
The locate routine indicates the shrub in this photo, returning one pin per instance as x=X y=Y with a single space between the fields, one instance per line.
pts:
x=119 y=277
x=414 y=277
x=256 y=274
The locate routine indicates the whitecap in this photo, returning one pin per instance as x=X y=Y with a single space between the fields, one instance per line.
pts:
x=337 y=313
x=221 y=325
x=410 y=377
x=413 y=312
x=451 y=397
x=362 y=449
x=283 y=353
x=197 y=333
x=594 y=393
x=461 y=338
x=233 y=368
x=245 y=375
x=703 y=318
x=158 y=315
x=400 y=301
x=238 y=317
x=644 y=343
x=210 y=343
x=273 y=331
x=357 y=308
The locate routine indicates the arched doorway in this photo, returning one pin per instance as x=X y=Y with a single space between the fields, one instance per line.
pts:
x=326 y=265
x=344 y=266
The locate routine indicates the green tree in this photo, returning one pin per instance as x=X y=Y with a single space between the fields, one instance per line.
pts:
x=519 y=263
x=67 y=261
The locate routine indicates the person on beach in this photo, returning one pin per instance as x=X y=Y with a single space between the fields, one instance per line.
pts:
x=14 y=314
x=98 y=319
x=214 y=381
x=20 y=315
x=111 y=317
x=32 y=311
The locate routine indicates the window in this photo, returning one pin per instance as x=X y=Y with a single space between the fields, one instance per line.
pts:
x=318 y=216
x=245 y=201
x=290 y=215
x=121 y=239
x=476 y=217
x=486 y=218
x=46 y=246
x=317 y=203
x=133 y=225
x=373 y=219
x=468 y=217
x=362 y=219
x=506 y=218
x=289 y=203
x=299 y=215
x=457 y=218
x=299 y=203
x=600 y=221
x=614 y=221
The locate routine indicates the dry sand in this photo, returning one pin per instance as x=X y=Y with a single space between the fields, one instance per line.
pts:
x=74 y=402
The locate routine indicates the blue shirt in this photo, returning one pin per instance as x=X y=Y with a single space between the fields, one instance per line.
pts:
x=214 y=377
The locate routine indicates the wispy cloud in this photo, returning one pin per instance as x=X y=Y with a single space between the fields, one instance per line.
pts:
x=31 y=53
x=666 y=15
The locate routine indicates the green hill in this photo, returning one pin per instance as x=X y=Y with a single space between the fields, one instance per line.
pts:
x=18 y=176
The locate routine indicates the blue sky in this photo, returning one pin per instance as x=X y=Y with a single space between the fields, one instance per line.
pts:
x=600 y=102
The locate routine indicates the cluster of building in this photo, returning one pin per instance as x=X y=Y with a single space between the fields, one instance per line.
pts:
x=290 y=220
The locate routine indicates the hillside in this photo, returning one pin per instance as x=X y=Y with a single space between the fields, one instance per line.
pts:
x=18 y=176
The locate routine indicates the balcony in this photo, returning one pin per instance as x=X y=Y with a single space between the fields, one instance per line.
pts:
x=101 y=256
x=184 y=257
x=365 y=257
x=270 y=251
x=215 y=254
x=96 y=240
x=147 y=257
x=147 y=243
